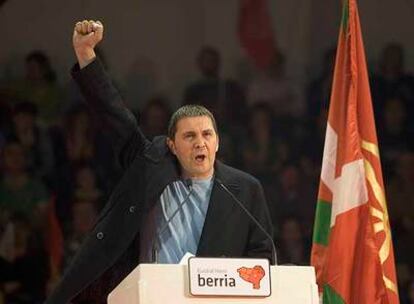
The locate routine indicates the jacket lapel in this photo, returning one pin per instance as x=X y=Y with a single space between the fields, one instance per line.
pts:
x=219 y=210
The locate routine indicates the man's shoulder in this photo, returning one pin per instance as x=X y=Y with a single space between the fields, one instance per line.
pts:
x=231 y=174
x=157 y=148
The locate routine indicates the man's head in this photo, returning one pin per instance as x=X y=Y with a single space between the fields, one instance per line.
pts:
x=193 y=139
x=209 y=61
x=38 y=67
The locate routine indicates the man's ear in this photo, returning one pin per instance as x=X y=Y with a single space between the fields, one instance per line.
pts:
x=171 y=145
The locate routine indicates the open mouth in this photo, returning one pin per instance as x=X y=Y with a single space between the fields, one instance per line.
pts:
x=200 y=158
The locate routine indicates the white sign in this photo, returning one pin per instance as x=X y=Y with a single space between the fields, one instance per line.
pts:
x=229 y=277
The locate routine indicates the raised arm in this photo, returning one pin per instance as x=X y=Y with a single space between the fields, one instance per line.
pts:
x=102 y=96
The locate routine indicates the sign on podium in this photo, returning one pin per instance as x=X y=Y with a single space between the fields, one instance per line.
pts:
x=218 y=281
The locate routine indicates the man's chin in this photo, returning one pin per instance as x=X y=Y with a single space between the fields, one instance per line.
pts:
x=202 y=172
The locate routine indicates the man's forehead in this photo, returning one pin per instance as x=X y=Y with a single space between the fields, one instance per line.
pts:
x=192 y=123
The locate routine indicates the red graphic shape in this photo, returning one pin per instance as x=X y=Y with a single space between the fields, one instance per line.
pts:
x=252 y=275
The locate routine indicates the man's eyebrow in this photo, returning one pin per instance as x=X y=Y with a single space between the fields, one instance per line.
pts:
x=188 y=133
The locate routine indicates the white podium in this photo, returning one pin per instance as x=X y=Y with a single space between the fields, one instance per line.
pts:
x=161 y=284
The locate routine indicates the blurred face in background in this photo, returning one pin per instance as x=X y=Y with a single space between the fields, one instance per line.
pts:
x=392 y=60
x=395 y=114
x=405 y=167
x=155 y=119
x=276 y=68
x=81 y=121
x=195 y=145
x=291 y=230
x=23 y=121
x=38 y=69
x=84 y=216
x=290 y=178
x=209 y=62
x=13 y=158
x=85 y=178
x=261 y=124
x=35 y=72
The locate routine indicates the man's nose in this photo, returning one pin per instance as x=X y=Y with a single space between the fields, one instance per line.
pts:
x=199 y=143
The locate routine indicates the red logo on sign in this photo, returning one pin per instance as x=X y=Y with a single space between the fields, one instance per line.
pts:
x=252 y=275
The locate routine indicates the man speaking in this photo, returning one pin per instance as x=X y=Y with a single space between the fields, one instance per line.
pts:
x=174 y=197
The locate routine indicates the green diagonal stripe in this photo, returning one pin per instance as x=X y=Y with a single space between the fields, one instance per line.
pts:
x=345 y=15
x=322 y=226
x=330 y=296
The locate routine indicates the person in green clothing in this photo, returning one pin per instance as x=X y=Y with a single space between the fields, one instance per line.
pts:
x=19 y=192
x=39 y=86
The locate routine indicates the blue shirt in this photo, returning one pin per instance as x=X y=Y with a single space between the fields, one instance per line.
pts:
x=185 y=211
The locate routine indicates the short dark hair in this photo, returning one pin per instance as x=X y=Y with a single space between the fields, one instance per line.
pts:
x=188 y=111
x=42 y=59
x=208 y=50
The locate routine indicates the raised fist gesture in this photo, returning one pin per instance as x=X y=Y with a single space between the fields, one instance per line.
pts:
x=86 y=35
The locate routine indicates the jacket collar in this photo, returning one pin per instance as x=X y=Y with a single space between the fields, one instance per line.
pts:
x=222 y=173
x=220 y=209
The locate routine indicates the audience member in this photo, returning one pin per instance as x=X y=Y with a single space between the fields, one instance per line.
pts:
x=39 y=86
x=84 y=215
x=224 y=98
x=154 y=117
x=293 y=247
x=274 y=88
x=260 y=151
x=19 y=192
x=79 y=141
x=319 y=90
x=295 y=195
x=24 y=275
x=86 y=184
x=393 y=133
x=34 y=140
x=391 y=79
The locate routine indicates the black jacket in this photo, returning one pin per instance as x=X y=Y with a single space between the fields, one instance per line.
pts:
x=111 y=250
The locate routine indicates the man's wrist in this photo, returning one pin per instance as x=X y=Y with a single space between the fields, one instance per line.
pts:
x=85 y=57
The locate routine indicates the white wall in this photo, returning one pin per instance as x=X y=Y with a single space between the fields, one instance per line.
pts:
x=158 y=39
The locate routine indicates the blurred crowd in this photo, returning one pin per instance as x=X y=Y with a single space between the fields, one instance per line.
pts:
x=57 y=164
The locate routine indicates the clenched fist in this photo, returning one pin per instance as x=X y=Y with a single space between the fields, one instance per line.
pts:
x=86 y=35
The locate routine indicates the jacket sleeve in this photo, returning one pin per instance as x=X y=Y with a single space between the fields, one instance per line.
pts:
x=107 y=104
